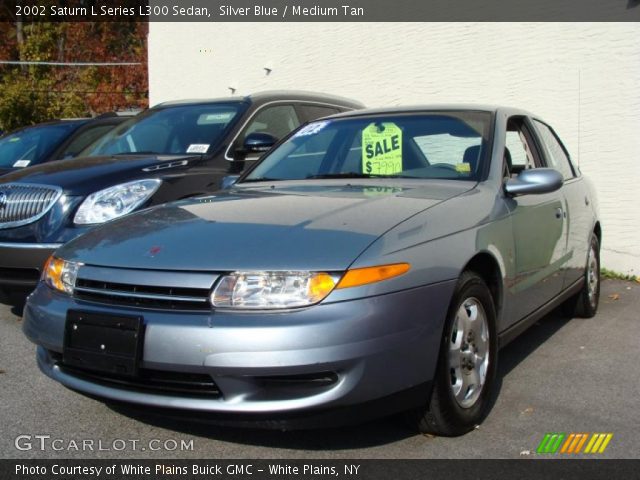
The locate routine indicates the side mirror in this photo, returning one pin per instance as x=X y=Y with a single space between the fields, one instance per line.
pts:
x=534 y=181
x=257 y=142
x=229 y=181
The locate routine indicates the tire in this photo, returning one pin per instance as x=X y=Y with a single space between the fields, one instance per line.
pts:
x=455 y=406
x=585 y=303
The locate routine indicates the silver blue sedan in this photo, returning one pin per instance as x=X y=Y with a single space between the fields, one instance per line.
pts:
x=376 y=259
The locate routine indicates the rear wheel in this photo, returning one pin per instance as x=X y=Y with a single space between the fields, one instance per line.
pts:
x=467 y=362
x=585 y=303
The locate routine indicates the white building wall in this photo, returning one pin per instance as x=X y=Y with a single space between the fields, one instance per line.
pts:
x=584 y=79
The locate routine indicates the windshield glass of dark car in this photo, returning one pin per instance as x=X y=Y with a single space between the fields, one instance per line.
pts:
x=32 y=145
x=447 y=145
x=183 y=129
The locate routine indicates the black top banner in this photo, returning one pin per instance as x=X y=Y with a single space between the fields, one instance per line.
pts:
x=321 y=10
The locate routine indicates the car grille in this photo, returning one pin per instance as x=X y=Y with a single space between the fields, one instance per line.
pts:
x=21 y=204
x=142 y=296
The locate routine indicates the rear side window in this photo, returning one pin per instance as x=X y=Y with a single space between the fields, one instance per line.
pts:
x=313 y=112
x=277 y=121
x=556 y=153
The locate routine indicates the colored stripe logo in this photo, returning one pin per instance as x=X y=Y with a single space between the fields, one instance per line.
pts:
x=574 y=443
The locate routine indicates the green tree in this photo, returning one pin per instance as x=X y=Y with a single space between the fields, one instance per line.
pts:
x=34 y=93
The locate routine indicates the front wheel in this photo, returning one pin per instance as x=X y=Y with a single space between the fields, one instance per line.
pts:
x=467 y=363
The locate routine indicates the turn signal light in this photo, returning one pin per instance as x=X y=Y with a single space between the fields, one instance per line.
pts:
x=364 y=276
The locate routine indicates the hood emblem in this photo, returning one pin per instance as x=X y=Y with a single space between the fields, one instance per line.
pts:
x=4 y=200
x=153 y=251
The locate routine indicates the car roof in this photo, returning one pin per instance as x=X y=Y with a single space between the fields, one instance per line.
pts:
x=72 y=121
x=109 y=120
x=108 y=117
x=495 y=109
x=269 y=96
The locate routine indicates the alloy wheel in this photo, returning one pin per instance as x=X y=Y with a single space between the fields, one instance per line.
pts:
x=468 y=354
x=593 y=276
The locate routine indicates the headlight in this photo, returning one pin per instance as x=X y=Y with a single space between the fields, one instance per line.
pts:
x=272 y=290
x=116 y=201
x=60 y=275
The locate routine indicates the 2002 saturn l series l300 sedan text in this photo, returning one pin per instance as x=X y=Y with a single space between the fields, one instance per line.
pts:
x=376 y=258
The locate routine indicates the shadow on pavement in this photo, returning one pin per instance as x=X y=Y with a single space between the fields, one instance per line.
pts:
x=529 y=341
x=524 y=345
x=18 y=310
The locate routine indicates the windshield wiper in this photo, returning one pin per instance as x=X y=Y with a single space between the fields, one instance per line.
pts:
x=144 y=152
x=353 y=175
x=262 y=179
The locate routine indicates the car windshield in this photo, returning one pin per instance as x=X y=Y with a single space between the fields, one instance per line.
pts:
x=447 y=145
x=32 y=145
x=175 y=130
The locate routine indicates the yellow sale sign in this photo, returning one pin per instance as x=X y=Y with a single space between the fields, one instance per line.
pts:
x=382 y=149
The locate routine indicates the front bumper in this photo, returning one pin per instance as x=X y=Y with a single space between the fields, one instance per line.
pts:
x=374 y=348
x=21 y=263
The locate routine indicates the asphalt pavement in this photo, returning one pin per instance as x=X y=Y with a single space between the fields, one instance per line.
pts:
x=562 y=375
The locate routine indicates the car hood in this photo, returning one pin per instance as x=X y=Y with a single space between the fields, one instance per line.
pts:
x=85 y=175
x=283 y=227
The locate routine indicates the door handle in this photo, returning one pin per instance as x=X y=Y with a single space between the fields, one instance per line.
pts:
x=558 y=213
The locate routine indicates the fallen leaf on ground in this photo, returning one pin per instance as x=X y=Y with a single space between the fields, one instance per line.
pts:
x=527 y=411
x=614 y=296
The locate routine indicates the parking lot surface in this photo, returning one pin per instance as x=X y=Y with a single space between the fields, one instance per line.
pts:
x=562 y=375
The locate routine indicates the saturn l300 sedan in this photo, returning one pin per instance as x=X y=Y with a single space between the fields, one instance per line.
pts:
x=376 y=259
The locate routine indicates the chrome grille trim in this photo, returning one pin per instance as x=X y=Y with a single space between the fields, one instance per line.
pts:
x=147 y=289
x=47 y=246
x=145 y=296
x=26 y=203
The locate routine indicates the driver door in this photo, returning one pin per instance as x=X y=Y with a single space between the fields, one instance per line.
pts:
x=539 y=229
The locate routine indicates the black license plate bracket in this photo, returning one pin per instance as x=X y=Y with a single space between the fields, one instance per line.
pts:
x=103 y=342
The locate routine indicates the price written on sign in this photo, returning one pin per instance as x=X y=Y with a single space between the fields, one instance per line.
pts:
x=382 y=149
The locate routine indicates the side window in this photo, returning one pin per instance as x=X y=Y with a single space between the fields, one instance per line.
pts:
x=519 y=154
x=556 y=152
x=313 y=112
x=278 y=121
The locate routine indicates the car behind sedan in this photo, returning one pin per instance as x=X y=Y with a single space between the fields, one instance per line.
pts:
x=373 y=263
x=171 y=151
x=54 y=140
